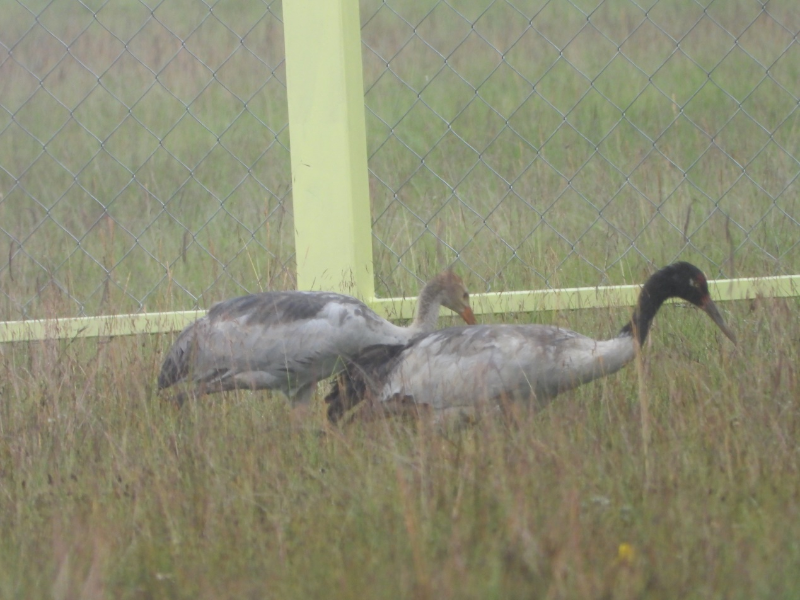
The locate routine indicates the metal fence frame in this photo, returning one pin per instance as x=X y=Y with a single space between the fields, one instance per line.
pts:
x=329 y=164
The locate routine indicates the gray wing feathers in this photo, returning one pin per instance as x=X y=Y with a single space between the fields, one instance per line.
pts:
x=461 y=366
x=275 y=340
x=275 y=308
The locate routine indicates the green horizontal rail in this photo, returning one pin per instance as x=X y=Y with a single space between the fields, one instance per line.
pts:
x=111 y=325
x=399 y=308
x=595 y=297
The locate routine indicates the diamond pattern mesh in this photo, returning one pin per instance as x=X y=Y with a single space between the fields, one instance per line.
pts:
x=144 y=161
x=580 y=142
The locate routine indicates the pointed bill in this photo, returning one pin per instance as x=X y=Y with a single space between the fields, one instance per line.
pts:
x=713 y=312
x=468 y=316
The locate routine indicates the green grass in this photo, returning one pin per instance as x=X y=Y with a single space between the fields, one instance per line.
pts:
x=109 y=492
x=540 y=168
x=567 y=160
x=106 y=491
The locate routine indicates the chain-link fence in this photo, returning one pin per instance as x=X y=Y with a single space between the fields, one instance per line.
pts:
x=577 y=142
x=144 y=158
x=144 y=145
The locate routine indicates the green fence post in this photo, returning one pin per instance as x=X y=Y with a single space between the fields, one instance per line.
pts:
x=327 y=131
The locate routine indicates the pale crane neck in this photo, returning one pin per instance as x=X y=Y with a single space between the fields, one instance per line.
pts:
x=428 y=303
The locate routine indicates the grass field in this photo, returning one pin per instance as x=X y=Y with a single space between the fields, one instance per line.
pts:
x=106 y=491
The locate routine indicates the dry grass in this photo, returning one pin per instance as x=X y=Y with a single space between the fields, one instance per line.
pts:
x=109 y=492
x=106 y=491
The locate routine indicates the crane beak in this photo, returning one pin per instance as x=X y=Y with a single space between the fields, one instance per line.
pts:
x=713 y=312
x=468 y=316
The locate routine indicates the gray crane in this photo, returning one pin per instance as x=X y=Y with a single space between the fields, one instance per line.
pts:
x=455 y=369
x=289 y=341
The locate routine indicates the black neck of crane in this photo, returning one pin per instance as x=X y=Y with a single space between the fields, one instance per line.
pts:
x=654 y=292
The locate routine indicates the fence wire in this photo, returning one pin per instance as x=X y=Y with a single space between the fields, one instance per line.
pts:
x=581 y=142
x=144 y=160
x=144 y=155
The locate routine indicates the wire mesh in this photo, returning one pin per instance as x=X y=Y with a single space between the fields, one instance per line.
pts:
x=581 y=142
x=144 y=161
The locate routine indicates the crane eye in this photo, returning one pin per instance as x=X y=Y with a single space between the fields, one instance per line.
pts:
x=466 y=295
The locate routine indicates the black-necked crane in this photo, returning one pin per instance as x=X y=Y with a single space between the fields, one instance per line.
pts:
x=459 y=367
x=289 y=341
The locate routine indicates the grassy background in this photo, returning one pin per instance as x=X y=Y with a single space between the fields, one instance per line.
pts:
x=629 y=149
x=108 y=492
x=535 y=145
x=165 y=185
